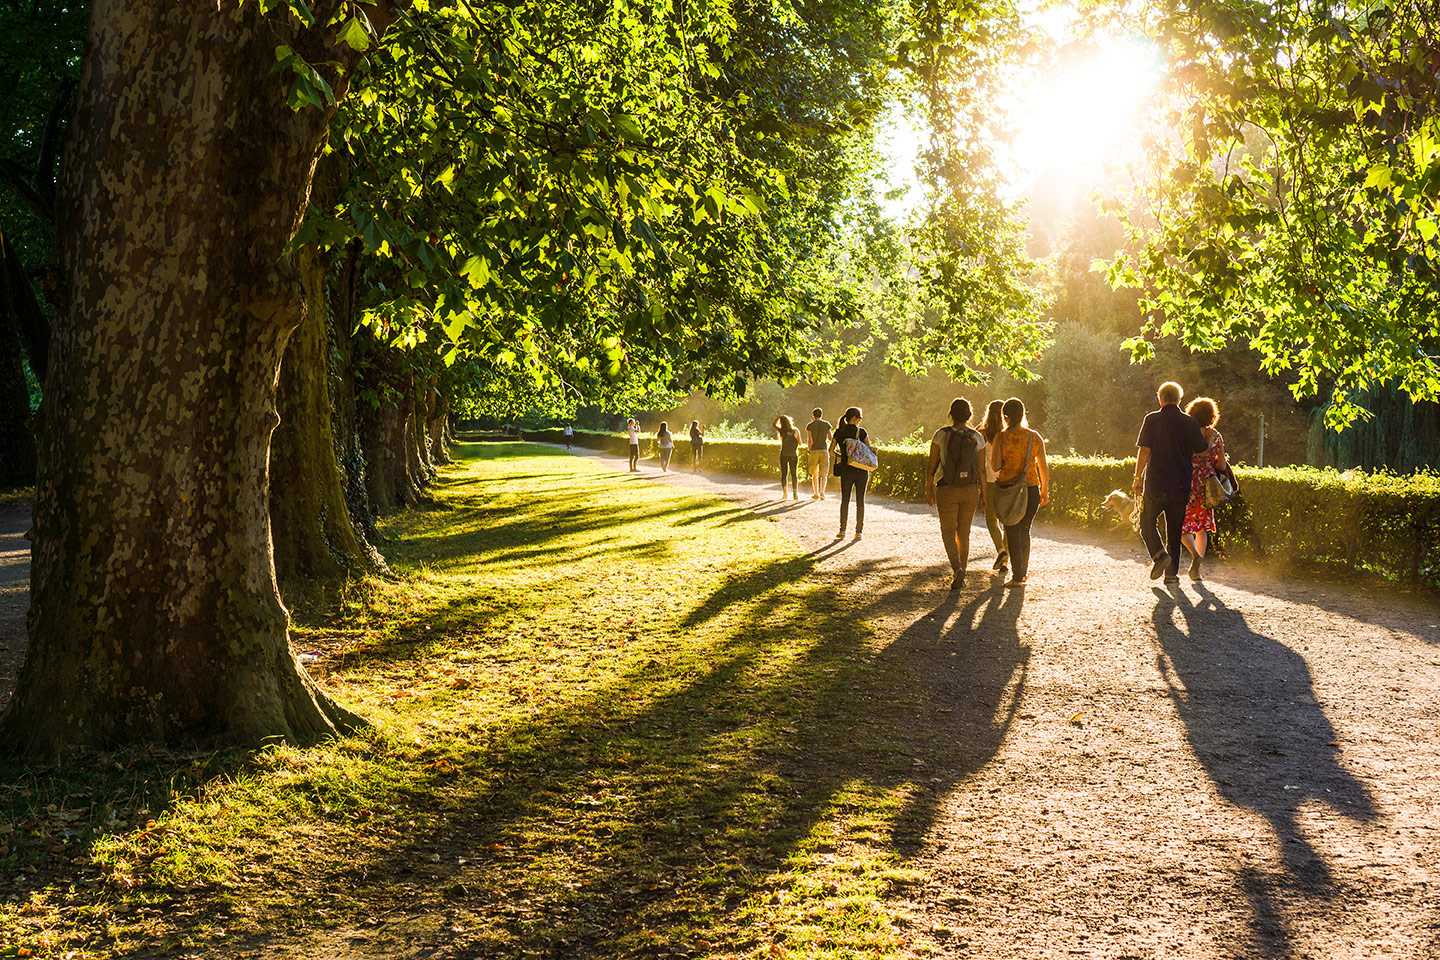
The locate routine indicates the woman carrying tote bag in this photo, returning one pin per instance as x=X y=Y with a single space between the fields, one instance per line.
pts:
x=853 y=462
x=1022 y=486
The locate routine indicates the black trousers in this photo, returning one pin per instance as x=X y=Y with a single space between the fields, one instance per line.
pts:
x=634 y=456
x=853 y=481
x=790 y=467
x=1017 y=535
x=1172 y=505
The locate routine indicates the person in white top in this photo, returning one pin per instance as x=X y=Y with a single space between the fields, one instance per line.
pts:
x=569 y=436
x=666 y=441
x=632 y=427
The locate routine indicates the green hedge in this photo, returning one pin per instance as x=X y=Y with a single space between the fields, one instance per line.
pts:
x=1373 y=523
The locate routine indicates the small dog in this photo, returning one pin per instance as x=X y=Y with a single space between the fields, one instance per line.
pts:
x=1125 y=508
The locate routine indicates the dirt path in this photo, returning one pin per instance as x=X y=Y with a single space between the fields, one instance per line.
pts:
x=1241 y=768
x=14 y=594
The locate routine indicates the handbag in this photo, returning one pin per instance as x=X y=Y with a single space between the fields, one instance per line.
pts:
x=860 y=455
x=1219 y=490
x=1012 y=496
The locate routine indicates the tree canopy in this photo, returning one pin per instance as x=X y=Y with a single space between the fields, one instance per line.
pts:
x=1301 y=210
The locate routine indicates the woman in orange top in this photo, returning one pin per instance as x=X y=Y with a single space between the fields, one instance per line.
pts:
x=1007 y=457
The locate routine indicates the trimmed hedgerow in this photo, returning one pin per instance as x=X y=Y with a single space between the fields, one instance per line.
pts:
x=1379 y=524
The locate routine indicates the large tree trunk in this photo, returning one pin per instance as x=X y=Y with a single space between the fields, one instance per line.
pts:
x=386 y=433
x=439 y=427
x=154 y=610
x=345 y=405
x=314 y=538
x=418 y=452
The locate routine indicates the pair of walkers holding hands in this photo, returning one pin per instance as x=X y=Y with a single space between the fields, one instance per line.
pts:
x=1000 y=468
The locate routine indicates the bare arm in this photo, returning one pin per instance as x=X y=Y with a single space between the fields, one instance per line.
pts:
x=1142 y=458
x=930 y=473
x=1044 y=475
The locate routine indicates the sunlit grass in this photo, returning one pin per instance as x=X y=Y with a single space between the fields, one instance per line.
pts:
x=606 y=715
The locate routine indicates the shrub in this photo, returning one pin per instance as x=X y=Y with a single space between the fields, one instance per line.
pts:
x=1380 y=524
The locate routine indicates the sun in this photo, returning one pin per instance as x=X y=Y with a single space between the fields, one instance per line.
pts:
x=1066 y=126
x=1078 y=119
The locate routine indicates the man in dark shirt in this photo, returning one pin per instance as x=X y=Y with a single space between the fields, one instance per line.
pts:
x=1167 y=442
x=819 y=429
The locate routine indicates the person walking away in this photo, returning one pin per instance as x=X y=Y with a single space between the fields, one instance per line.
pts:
x=697 y=445
x=569 y=437
x=953 y=484
x=665 y=440
x=1199 y=517
x=789 y=454
x=990 y=429
x=632 y=427
x=1169 y=439
x=820 y=430
x=853 y=480
x=1019 y=456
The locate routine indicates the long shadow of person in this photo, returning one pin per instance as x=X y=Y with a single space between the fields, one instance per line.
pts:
x=1250 y=714
x=964 y=672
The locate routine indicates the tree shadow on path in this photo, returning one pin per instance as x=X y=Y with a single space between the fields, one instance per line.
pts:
x=666 y=813
x=1250 y=714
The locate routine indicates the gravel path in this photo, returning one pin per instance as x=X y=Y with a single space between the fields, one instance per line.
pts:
x=1245 y=768
x=14 y=594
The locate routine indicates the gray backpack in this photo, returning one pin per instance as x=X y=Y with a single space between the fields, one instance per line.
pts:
x=960 y=460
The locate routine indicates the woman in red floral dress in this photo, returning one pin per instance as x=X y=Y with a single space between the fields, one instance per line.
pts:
x=1200 y=519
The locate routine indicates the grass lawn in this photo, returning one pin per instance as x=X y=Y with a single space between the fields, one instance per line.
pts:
x=610 y=717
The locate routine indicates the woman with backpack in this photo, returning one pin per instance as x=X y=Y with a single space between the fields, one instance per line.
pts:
x=1022 y=484
x=853 y=479
x=789 y=454
x=990 y=429
x=952 y=484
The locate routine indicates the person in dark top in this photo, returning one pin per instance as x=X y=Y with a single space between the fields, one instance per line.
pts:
x=697 y=445
x=1168 y=440
x=953 y=481
x=789 y=455
x=853 y=480
x=820 y=430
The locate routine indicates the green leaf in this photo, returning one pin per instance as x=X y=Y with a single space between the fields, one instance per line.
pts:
x=477 y=271
x=1380 y=176
x=355 y=34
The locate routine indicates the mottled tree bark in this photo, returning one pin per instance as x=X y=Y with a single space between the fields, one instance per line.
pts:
x=385 y=430
x=345 y=411
x=314 y=538
x=154 y=613
x=418 y=453
x=439 y=425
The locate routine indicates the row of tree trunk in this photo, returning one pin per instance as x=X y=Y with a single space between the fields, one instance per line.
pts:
x=156 y=614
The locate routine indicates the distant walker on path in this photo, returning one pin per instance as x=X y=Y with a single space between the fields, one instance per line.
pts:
x=697 y=445
x=820 y=430
x=789 y=455
x=632 y=427
x=665 y=440
x=853 y=480
x=1169 y=439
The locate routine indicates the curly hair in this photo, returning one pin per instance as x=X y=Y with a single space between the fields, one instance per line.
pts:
x=1205 y=411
